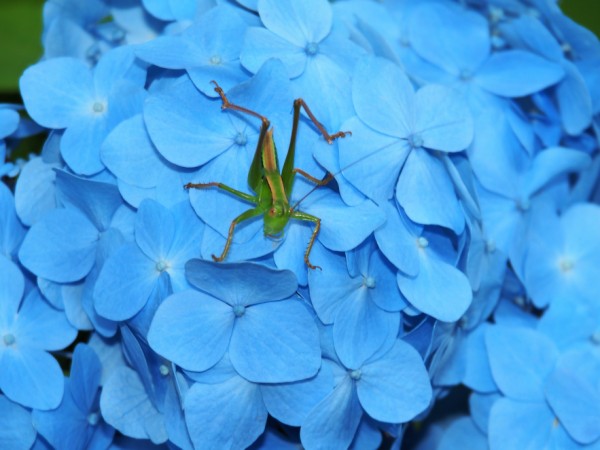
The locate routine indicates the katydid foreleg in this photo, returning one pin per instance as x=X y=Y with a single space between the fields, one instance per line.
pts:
x=309 y=218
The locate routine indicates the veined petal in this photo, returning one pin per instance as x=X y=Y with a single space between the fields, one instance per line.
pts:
x=56 y=91
x=275 y=342
x=68 y=241
x=31 y=377
x=230 y=414
x=188 y=321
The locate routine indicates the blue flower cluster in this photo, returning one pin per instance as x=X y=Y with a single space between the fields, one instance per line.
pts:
x=459 y=243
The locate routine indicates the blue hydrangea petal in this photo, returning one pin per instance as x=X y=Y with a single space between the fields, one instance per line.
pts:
x=80 y=145
x=331 y=287
x=520 y=370
x=361 y=328
x=574 y=101
x=289 y=254
x=299 y=23
x=582 y=243
x=97 y=200
x=343 y=227
x=56 y=91
x=426 y=192
x=154 y=229
x=396 y=387
x=141 y=164
x=478 y=375
x=439 y=290
x=396 y=239
x=126 y=406
x=291 y=403
x=118 y=64
x=31 y=377
x=86 y=371
x=125 y=283
x=371 y=161
x=573 y=394
x=35 y=192
x=516 y=73
x=506 y=428
x=230 y=414
x=9 y=122
x=462 y=433
x=12 y=286
x=69 y=243
x=187 y=321
x=449 y=36
x=241 y=283
x=261 y=45
x=275 y=342
x=551 y=163
x=332 y=424
x=174 y=125
x=442 y=119
x=40 y=326
x=392 y=113
x=17 y=432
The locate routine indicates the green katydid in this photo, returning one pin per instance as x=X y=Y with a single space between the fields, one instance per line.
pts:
x=273 y=188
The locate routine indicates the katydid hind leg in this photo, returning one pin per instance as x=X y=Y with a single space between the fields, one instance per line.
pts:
x=255 y=173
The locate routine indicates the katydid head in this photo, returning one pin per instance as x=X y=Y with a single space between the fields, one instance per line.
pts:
x=275 y=220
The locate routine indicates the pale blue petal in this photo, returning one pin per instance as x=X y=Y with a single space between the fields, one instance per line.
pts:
x=574 y=102
x=572 y=391
x=332 y=424
x=141 y=164
x=331 y=287
x=80 y=144
x=188 y=321
x=12 y=286
x=478 y=374
x=426 y=192
x=361 y=328
x=35 y=192
x=56 y=91
x=396 y=387
x=17 y=432
x=118 y=64
x=275 y=342
x=291 y=403
x=261 y=45
x=551 y=163
x=230 y=414
x=186 y=127
x=68 y=241
x=517 y=73
x=371 y=161
x=520 y=370
x=241 y=283
x=126 y=406
x=9 y=122
x=442 y=119
x=396 y=239
x=506 y=428
x=462 y=433
x=125 y=283
x=297 y=22
x=439 y=290
x=392 y=113
x=449 y=36
x=38 y=325
x=343 y=227
x=31 y=377
x=97 y=200
x=154 y=230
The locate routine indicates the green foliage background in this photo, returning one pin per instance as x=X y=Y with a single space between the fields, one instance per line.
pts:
x=21 y=28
